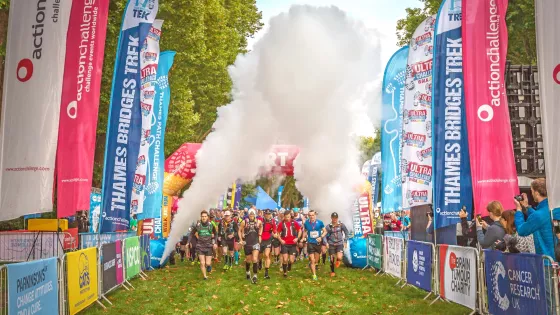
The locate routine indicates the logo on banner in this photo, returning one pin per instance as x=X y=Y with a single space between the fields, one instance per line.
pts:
x=149 y=94
x=422 y=40
x=24 y=69
x=415 y=261
x=416 y=196
x=455 y=7
x=146 y=108
x=414 y=139
x=460 y=274
x=143 y=8
x=424 y=154
x=430 y=24
x=499 y=271
x=139 y=181
x=83 y=269
x=154 y=34
x=150 y=56
x=421 y=99
x=421 y=174
x=415 y=115
x=420 y=72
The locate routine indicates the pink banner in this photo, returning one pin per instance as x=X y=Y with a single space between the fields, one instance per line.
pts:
x=80 y=104
x=489 y=130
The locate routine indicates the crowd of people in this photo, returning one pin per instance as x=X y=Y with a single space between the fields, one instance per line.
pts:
x=266 y=237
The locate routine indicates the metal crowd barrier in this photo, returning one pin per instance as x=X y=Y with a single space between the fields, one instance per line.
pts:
x=3 y=290
x=27 y=246
x=433 y=267
x=551 y=283
x=97 y=239
x=391 y=253
x=400 y=234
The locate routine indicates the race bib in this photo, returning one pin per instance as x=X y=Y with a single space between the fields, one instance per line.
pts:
x=314 y=234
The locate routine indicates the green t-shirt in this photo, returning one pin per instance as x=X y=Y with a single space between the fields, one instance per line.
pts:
x=133 y=224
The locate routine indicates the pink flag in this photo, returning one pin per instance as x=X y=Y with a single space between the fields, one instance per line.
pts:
x=80 y=104
x=489 y=131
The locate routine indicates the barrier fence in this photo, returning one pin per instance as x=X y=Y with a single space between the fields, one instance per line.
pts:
x=421 y=270
x=27 y=246
x=97 y=239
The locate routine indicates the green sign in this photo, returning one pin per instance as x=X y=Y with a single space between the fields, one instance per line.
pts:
x=375 y=251
x=132 y=257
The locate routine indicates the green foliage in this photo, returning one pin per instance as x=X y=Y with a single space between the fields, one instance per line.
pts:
x=369 y=146
x=520 y=19
x=4 y=4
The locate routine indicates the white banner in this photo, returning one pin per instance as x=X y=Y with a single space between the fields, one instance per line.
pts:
x=417 y=118
x=458 y=275
x=35 y=53
x=548 y=50
x=392 y=256
x=22 y=246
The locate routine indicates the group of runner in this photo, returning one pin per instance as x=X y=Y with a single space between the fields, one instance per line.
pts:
x=263 y=236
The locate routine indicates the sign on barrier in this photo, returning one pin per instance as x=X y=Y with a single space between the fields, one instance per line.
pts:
x=82 y=279
x=419 y=265
x=393 y=256
x=132 y=257
x=88 y=240
x=112 y=266
x=515 y=283
x=398 y=234
x=145 y=252
x=23 y=246
x=457 y=274
x=33 y=287
x=375 y=251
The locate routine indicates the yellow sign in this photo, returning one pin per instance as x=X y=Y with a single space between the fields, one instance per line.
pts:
x=82 y=279
x=166 y=214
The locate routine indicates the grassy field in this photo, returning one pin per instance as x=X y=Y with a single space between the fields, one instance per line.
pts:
x=180 y=289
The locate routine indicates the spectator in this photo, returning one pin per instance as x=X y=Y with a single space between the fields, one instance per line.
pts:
x=467 y=236
x=396 y=225
x=494 y=232
x=513 y=242
x=405 y=220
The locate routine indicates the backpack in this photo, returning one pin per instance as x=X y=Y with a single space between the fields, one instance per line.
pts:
x=199 y=227
x=249 y=229
x=270 y=224
x=293 y=231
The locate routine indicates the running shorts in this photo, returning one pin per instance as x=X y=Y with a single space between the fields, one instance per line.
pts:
x=275 y=243
x=266 y=244
x=206 y=251
x=335 y=249
x=230 y=244
x=289 y=249
x=314 y=248
x=250 y=248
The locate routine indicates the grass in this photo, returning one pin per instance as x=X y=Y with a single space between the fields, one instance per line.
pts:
x=180 y=290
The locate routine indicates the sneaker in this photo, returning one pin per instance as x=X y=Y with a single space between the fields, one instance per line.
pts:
x=205 y=278
x=337 y=264
x=254 y=280
x=315 y=277
x=289 y=267
x=266 y=276
x=237 y=263
x=248 y=277
x=333 y=274
x=285 y=275
x=226 y=267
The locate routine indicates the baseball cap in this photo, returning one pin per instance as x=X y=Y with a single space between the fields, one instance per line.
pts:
x=227 y=213
x=334 y=215
x=252 y=211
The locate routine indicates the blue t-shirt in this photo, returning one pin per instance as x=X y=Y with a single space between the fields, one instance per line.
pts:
x=313 y=230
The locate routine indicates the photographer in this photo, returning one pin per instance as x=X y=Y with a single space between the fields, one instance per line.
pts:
x=495 y=232
x=468 y=230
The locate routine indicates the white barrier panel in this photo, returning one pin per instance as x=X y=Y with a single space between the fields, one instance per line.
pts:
x=393 y=256
x=96 y=240
x=458 y=274
x=25 y=246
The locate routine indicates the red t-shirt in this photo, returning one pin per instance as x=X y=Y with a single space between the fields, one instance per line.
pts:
x=396 y=225
x=268 y=229
x=289 y=237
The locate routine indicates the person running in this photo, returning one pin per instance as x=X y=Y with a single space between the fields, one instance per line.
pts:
x=227 y=230
x=192 y=244
x=337 y=235
x=289 y=232
x=212 y=219
x=206 y=234
x=237 y=246
x=268 y=235
x=250 y=234
x=315 y=232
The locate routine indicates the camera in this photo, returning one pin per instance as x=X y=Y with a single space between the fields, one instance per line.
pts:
x=479 y=218
x=519 y=198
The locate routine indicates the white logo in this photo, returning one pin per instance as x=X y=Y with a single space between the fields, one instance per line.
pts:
x=415 y=261
x=498 y=271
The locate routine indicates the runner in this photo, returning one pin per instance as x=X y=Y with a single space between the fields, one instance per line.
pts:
x=275 y=241
x=337 y=235
x=236 y=245
x=206 y=233
x=315 y=232
x=227 y=230
x=212 y=219
x=268 y=235
x=288 y=233
x=192 y=244
x=250 y=234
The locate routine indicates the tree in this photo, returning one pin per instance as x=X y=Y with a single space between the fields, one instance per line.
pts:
x=369 y=146
x=520 y=20
x=291 y=197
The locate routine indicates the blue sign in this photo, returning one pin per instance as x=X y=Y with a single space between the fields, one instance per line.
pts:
x=280 y=190
x=374 y=180
x=124 y=127
x=391 y=131
x=452 y=185
x=156 y=249
x=358 y=251
x=33 y=287
x=94 y=211
x=419 y=265
x=156 y=156
x=515 y=283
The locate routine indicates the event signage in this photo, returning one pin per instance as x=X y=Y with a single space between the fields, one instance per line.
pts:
x=374 y=177
x=149 y=59
x=391 y=132
x=238 y=195
x=515 y=283
x=419 y=265
x=33 y=287
x=457 y=274
x=392 y=257
x=35 y=51
x=375 y=251
x=109 y=266
x=548 y=53
x=94 y=211
x=145 y=252
x=124 y=129
x=452 y=186
x=85 y=47
x=416 y=160
x=25 y=246
x=119 y=261
x=81 y=277
x=132 y=257
x=94 y=240
x=280 y=190
x=485 y=44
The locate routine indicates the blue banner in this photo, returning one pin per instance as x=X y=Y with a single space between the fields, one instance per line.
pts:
x=145 y=252
x=238 y=187
x=391 y=132
x=279 y=202
x=156 y=157
x=358 y=251
x=419 y=265
x=373 y=179
x=305 y=203
x=452 y=184
x=33 y=287
x=124 y=127
x=515 y=283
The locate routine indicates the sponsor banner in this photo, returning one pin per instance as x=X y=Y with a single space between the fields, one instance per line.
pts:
x=361 y=215
x=221 y=202
x=391 y=132
x=94 y=239
x=124 y=128
x=33 y=287
x=109 y=266
x=165 y=221
x=71 y=239
x=279 y=201
x=365 y=169
x=81 y=278
x=515 y=283
x=548 y=51
x=457 y=275
x=156 y=159
x=132 y=257
x=120 y=261
x=238 y=194
x=494 y=176
x=147 y=227
x=417 y=116
x=35 y=51
x=233 y=192
x=94 y=211
x=149 y=58
x=375 y=251
x=145 y=252
x=452 y=173
x=419 y=265
x=24 y=246
x=85 y=45
x=393 y=256
x=305 y=203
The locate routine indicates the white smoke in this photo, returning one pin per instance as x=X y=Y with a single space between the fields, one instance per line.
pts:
x=300 y=84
